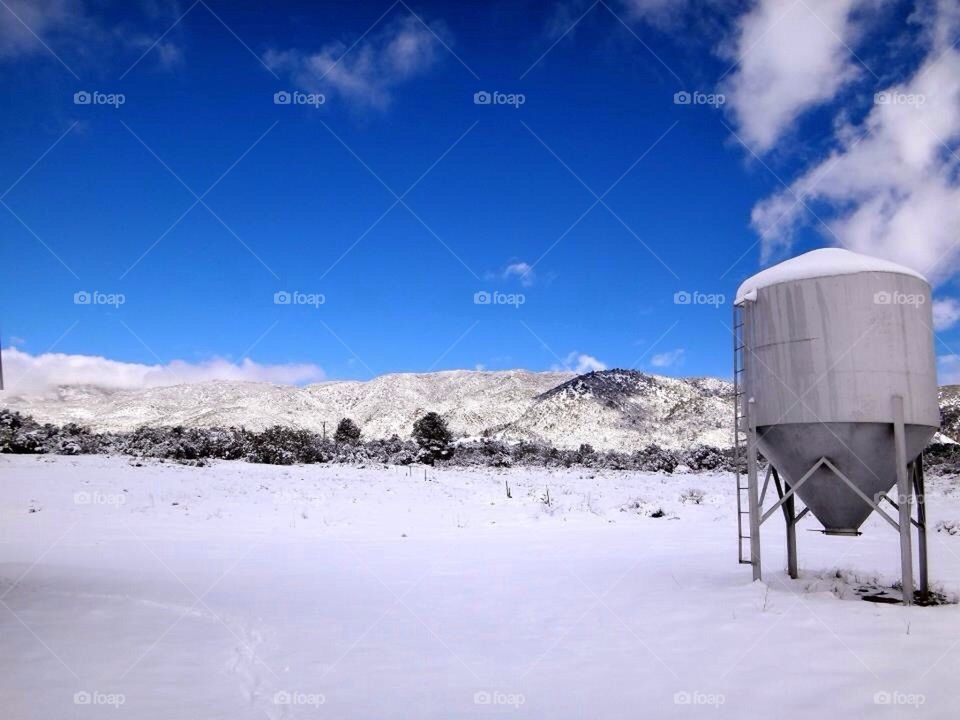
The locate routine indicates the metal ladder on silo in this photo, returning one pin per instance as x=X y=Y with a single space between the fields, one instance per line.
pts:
x=740 y=437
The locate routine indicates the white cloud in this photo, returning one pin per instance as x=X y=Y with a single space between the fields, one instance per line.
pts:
x=580 y=363
x=169 y=55
x=368 y=74
x=792 y=56
x=668 y=359
x=37 y=19
x=946 y=313
x=522 y=271
x=891 y=187
x=656 y=12
x=948 y=367
x=83 y=28
x=26 y=373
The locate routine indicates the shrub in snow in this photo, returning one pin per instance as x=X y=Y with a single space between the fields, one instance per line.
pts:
x=655 y=459
x=615 y=461
x=637 y=505
x=392 y=451
x=68 y=447
x=693 y=496
x=527 y=452
x=22 y=434
x=485 y=453
x=950 y=527
x=73 y=439
x=942 y=459
x=284 y=446
x=585 y=455
x=347 y=432
x=704 y=458
x=226 y=443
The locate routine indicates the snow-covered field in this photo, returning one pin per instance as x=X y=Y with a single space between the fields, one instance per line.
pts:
x=242 y=591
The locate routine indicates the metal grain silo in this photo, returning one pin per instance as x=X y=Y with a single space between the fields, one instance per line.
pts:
x=834 y=357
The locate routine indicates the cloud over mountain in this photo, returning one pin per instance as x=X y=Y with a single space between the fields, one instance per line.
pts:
x=26 y=373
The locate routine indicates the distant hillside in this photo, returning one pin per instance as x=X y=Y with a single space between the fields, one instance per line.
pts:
x=611 y=409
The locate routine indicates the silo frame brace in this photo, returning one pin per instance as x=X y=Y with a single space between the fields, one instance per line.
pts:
x=910 y=488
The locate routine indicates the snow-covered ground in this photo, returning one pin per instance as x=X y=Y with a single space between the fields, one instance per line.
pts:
x=243 y=591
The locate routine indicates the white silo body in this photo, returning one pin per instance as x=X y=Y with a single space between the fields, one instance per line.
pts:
x=832 y=337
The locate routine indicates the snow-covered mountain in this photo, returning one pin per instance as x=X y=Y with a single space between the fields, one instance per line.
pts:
x=626 y=409
x=610 y=409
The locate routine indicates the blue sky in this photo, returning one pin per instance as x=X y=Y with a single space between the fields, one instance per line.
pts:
x=588 y=207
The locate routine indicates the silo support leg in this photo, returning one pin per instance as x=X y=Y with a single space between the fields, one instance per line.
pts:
x=905 y=501
x=918 y=491
x=753 y=485
x=790 y=519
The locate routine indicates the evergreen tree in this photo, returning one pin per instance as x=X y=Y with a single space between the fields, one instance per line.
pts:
x=433 y=436
x=347 y=432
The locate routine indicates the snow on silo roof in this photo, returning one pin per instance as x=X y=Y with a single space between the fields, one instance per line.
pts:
x=825 y=262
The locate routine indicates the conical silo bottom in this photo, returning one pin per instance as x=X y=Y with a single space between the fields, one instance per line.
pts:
x=864 y=452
